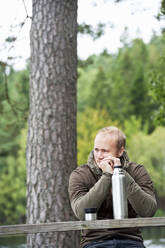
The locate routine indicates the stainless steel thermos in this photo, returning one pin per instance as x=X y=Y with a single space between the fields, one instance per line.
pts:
x=120 y=204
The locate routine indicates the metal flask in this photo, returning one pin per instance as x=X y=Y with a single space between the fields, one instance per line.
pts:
x=120 y=204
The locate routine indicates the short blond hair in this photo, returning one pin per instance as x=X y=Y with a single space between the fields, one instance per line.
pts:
x=117 y=133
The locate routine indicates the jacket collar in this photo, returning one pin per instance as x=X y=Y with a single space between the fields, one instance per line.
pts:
x=92 y=164
x=124 y=160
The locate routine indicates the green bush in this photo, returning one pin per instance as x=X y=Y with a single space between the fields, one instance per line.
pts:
x=13 y=186
x=149 y=151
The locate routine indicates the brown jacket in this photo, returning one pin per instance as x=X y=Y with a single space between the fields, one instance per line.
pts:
x=89 y=187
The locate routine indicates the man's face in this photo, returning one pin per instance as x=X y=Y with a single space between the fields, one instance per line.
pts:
x=105 y=145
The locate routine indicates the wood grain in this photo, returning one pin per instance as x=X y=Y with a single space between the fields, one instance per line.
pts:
x=80 y=225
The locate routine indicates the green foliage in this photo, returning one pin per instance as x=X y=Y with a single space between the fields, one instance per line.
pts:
x=14 y=87
x=11 y=39
x=157 y=82
x=161 y=14
x=158 y=93
x=95 y=33
x=148 y=149
x=119 y=84
x=13 y=186
x=157 y=72
x=159 y=213
x=14 y=111
x=132 y=127
x=19 y=92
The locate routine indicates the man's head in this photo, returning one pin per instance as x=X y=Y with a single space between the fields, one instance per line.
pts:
x=109 y=141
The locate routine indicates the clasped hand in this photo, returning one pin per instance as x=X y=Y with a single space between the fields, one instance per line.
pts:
x=107 y=164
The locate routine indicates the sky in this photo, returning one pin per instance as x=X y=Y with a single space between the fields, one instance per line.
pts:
x=137 y=15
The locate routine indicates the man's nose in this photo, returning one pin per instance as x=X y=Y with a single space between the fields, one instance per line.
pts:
x=100 y=155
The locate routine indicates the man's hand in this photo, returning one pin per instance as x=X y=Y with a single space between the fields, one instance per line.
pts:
x=108 y=163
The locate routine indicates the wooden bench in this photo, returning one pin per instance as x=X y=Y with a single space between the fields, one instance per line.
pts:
x=80 y=225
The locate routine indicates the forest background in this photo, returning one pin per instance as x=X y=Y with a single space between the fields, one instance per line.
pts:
x=125 y=89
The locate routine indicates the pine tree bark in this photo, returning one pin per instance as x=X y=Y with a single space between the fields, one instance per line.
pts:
x=51 y=144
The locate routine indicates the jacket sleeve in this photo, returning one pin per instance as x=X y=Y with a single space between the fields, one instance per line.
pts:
x=81 y=197
x=140 y=192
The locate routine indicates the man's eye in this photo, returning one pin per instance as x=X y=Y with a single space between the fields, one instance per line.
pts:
x=105 y=151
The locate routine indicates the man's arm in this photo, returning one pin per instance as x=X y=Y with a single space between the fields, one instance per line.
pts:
x=140 y=193
x=82 y=198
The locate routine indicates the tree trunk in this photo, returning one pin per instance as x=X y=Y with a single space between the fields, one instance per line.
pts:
x=51 y=145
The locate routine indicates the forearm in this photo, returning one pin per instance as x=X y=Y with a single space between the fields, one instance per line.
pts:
x=143 y=203
x=93 y=198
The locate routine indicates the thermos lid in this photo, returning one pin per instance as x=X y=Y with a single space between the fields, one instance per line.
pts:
x=90 y=210
x=118 y=166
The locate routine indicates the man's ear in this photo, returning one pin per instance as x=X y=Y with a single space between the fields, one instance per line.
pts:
x=121 y=151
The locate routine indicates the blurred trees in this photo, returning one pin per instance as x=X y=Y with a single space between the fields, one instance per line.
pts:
x=13 y=185
x=157 y=79
x=119 y=83
x=149 y=150
x=14 y=109
x=157 y=76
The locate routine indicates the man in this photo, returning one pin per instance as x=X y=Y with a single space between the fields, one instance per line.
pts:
x=90 y=185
